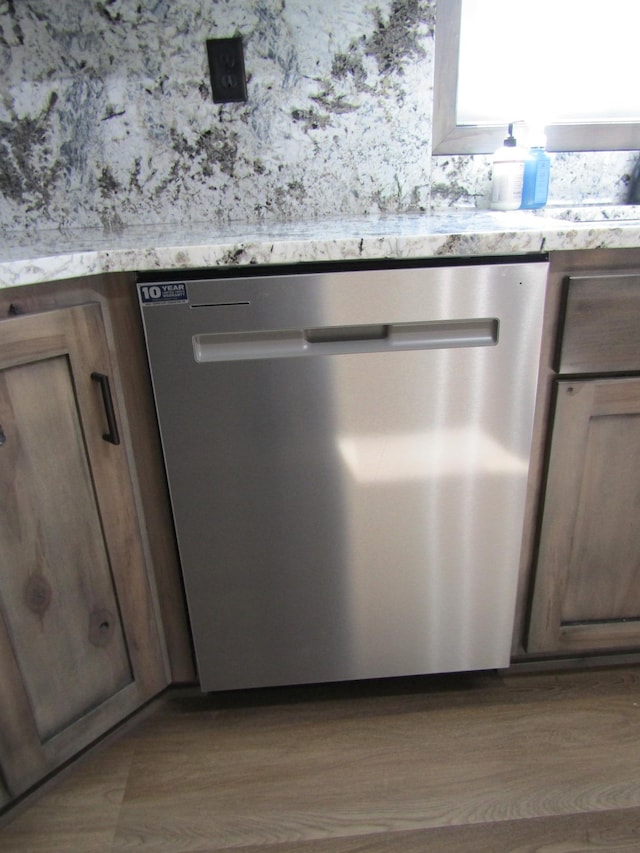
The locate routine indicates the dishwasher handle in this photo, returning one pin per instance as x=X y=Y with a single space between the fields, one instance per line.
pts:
x=347 y=334
x=335 y=340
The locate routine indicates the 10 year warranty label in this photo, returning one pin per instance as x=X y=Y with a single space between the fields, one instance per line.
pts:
x=163 y=294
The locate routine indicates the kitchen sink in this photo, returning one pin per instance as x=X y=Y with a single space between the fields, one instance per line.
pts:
x=595 y=213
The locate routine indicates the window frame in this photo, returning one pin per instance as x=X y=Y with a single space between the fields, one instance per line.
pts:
x=448 y=137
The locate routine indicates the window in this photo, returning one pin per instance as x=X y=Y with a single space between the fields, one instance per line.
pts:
x=568 y=65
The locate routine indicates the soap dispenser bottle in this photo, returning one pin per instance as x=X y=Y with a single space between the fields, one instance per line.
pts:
x=507 y=174
x=537 y=168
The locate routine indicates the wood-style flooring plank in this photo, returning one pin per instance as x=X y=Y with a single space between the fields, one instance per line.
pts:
x=79 y=813
x=598 y=832
x=213 y=778
x=534 y=762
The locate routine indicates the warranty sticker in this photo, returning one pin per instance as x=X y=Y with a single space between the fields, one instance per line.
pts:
x=163 y=294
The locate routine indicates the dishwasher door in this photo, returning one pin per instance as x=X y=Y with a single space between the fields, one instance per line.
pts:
x=347 y=456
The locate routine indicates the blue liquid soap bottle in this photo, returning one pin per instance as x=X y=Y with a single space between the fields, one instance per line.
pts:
x=537 y=168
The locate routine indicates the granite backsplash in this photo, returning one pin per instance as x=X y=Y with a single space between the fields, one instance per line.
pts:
x=107 y=119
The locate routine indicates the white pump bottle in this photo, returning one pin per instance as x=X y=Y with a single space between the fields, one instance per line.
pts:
x=507 y=174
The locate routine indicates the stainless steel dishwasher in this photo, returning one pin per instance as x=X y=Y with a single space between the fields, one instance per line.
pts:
x=347 y=456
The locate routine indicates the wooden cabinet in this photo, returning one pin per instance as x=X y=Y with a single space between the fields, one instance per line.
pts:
x=586 y=592
x=80 y=646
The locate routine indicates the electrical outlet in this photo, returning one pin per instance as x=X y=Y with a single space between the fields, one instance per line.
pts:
x=226 y=67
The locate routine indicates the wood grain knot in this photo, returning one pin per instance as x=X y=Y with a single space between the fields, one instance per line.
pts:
x=101 y=627
x=38 y=594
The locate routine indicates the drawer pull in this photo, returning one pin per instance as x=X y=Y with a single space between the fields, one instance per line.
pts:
x=112 y=435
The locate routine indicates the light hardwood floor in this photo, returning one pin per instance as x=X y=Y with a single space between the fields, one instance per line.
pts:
x=526 y=762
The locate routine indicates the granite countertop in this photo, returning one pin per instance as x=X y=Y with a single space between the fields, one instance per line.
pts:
x=57 y=254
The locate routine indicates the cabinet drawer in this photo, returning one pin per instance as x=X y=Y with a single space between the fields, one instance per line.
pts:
x=602 y=325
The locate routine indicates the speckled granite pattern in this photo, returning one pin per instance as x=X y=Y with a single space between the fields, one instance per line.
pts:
x=107 y=116
x=107 y=120
x=58 y=255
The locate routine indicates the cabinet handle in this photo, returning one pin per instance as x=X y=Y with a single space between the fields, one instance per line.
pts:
x=112 y=435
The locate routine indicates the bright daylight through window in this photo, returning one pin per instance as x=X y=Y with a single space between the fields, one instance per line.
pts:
x=569 y=65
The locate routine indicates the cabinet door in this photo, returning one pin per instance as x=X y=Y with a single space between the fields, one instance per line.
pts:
x=79 y=647
x=587 y=584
